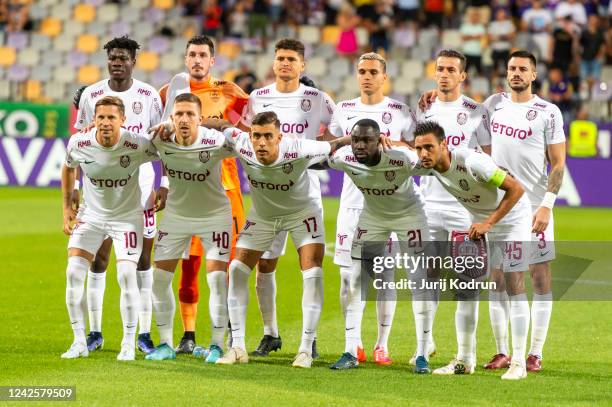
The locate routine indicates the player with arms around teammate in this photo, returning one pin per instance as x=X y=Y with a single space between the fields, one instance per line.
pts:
x=192 y=160
x=303 y=111
x=143 y=110
x=276 y=169
x=466 y=125
x=220 y=100
x=527 y=136
x=396 y=122
x=498 y=210
x=392 y=204
x=110 y=158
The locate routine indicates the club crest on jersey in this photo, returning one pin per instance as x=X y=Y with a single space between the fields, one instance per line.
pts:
x=464 y=185
x=137 y=107
x=204 y=156
x=389 y=175
x=386 y=117
x=306 y=105
x=287 y=168
x=124 y=161
x=531 y=114
x=461 y=118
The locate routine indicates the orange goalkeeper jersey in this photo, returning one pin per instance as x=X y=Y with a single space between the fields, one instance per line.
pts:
x=220 y=100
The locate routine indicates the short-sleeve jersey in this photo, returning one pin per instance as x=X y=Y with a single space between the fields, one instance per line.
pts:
x=110 y=175
x=387 y=187
x=283 y=187
x=395 y=119
x=466 y=124
x=194 y=173
x=520 y=134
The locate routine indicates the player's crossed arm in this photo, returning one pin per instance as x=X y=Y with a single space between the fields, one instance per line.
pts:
x=556 y=156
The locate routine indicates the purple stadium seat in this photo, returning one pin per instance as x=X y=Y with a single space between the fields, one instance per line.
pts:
x=159 y=44
x=119 y=28
x=76 y=58
x=17 y=40
x=18 y=73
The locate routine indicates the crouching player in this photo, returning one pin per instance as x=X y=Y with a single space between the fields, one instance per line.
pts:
x=392 y=205
x=280 y=185
x=110 y=158
x=197 y=206
x=504 y=217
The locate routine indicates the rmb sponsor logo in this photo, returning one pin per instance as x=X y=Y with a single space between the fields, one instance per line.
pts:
x=469 y=105
x=186 y=175
x=396 y=106
x=263 y=92
x=86 y=143
x=292 y=155
x=270 y=186
x=208 y=141
x=131 y=145
x=510 y=131
x=294 y=128
x=246 y=152
x=348 y=104
x=349 y=158
x=396 y=163
x=542 y=105
x=97 y=93
x=311 y=93
x=143 y=91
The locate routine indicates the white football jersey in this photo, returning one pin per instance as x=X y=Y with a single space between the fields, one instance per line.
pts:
x=283 y=187
x=395 y=119
x=470 y=180
x=143 y=110
x=466 y=124
x=387 y=187
x=194 y=173
x=520 y=134
x=301 y=113
x=110 y=175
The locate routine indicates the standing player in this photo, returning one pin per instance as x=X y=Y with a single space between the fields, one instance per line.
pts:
x=392 y=204
x=220 y=100
x=143 y=110
x=527 y=135
x=282 y=201
x=192 y=161
x=110 y=158
x=302 y=110
x=477 y=182
x=466 y=125
x=395 y=121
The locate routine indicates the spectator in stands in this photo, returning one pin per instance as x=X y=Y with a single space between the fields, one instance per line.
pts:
x=18 y=15
x=560 y=92
x=275 y=11
x=258 y=21
x=4 y=16
x=434 y=13
x=608 y=38
x=378 y=24
x=538 y=21
x=572 y=8
x=563 y=44
x=406 y=12
x=593 y=47
x=501 y=36
x=246 y=78
x=473 y=33
x=212 y=18
x=347 y=21
x=238 y=20
x=483 y=8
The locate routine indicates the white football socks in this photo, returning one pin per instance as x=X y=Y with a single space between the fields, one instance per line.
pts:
x=217 y=305
x=96 y=284
x=466 y=321
x=541 y=309
x=164 y=304
x=345 y=286
x=76 y=272
x=130 y=300
x=499 y=313
x=385 y=309
x=238 y=300
x=354 y=311
x=519 y=323
x=145 y=285
x=312 y=303
x=423 y=308
x=265 y=286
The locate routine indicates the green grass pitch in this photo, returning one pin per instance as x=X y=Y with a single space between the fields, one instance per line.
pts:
x=35 y=331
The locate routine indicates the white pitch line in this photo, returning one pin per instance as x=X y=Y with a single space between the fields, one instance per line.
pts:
x=581 y=281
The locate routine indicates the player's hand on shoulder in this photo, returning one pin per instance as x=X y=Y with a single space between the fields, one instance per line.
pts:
x=160 y=199
x=87 y=128
x=386 y=143
x=540 y=220
x=427 y=99
x=232 y=90
x=163 y=130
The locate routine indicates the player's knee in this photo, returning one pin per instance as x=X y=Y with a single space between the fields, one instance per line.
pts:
x=266 y=265
x=189 y=294
x=144 y=262
x=100 y=263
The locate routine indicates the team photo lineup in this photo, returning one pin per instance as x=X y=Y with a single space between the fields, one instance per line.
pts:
x=248 y=155
x=375 y=140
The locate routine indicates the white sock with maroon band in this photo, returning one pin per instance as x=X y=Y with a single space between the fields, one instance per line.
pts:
x=519 y=323
x=499 y=313
x=96 y=284
x=238 y=300
x=466 y=321
x=541 y=309
x=75 y=300
x=265 y=286
x=312 y=303
x=145 y=284
x=385 y=309
x=217 y=305
x=164 y=305
x=129 y=304
x=354 y=311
